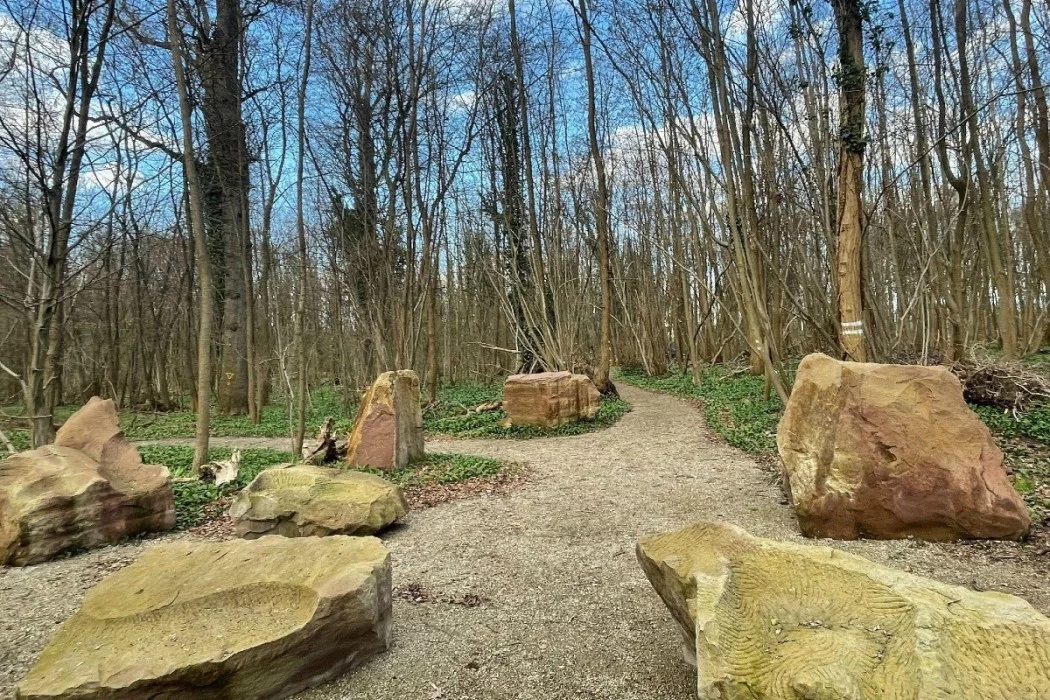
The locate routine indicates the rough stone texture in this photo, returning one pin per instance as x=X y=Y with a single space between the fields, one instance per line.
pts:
x=778 y=621
x=302 y=501
x=566 y=612
x=550 y=399
x=388 y=432
x=236 y=619
x=892 y=451
x=88 y=489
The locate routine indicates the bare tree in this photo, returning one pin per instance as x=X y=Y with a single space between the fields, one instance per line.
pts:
x=51 y=151
x=852 y=81
x=601 y=205
x=200 y=243
x=300 y=231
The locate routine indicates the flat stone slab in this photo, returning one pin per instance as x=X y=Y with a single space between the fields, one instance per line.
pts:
x=250 y=620
x=768 y=620
x=90 y=488
x=303 y=500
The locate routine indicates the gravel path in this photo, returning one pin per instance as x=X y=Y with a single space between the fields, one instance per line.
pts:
x=564 y=610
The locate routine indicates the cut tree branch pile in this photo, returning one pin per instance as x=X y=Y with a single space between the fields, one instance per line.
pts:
x=1006 y=385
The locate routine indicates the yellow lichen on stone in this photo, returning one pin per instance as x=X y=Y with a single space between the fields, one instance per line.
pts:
x=776 y=621
x=298 y=500
x=252 y=620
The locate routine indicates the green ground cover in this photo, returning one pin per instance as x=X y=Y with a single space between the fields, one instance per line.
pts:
x=734 y=407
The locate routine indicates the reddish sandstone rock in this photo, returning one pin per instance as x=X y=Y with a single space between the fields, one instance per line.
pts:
x=550 y=399
x=892 y=451
x=388 y=432
x=88 y=489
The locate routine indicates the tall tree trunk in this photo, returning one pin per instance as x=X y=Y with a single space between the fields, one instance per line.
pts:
x=200 y=243
x=300 y=230
x=849 y=18
x=601 y=209
x=1000 y=277
x=539 y=274
x=1040 y=234
x=219 y=66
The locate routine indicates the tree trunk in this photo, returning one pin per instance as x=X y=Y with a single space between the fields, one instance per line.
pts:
x=219 y=67
x=300 y=230
x=200 y=243
x=601 y=210
x=852 y=141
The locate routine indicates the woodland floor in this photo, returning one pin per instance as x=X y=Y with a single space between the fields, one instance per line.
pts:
x=537 y=593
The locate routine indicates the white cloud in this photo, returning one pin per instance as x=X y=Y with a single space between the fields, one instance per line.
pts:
x=463 y=101
x=31 y=65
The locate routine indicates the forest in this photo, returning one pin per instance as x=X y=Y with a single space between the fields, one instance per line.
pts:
x=204 y=205
x=518 y=349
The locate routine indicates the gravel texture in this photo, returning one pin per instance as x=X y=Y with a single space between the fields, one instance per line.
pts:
x=536 y=593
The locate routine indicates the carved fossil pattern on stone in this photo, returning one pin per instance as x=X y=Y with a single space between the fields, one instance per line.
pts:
x=303 y=500
x=778 y=621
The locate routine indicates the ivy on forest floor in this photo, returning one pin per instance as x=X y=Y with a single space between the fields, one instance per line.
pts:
x=181 y=423
x=734 y=407
x=447 y=416
x=197 y=502
x=441 y=468
x=273 y=422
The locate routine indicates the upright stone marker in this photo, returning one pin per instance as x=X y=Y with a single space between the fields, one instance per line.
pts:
x=90 y=488
x=892 y=451
x=388 y=432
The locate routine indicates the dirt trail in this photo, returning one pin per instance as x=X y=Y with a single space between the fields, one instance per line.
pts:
x=565 y=611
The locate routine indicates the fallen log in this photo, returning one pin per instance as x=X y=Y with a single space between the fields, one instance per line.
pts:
x=327 y=449
x=222 y=472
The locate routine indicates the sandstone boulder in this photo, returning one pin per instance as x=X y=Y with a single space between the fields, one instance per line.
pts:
x=769 y=620
x=550 y=399
x=303 y=500
x=250 y=620
x=88 y=489
x=892 y=451
x=388 y=432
